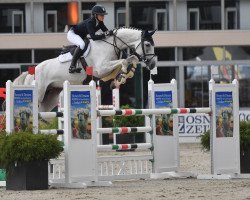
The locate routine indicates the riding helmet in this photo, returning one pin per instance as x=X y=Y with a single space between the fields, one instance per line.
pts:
x=99 y=10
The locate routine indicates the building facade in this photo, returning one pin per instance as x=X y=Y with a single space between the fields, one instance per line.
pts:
x=196 y=40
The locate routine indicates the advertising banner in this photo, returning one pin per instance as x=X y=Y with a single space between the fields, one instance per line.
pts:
x=164 y=122
x=23 y=110
x=80 y=114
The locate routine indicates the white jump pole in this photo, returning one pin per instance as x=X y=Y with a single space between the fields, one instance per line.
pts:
x=116 y=98
x=115 y=105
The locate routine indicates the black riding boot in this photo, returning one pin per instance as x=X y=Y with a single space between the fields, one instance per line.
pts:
x=76 y=56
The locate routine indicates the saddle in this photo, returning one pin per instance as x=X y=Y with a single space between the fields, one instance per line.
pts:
x=68 y=51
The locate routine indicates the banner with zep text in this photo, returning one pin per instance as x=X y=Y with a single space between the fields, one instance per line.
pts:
x=193 y=125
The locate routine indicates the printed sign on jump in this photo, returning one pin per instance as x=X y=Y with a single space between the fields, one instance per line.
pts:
x=224 y=114
x=80 y=114
x=23 y=110
x=164 y=122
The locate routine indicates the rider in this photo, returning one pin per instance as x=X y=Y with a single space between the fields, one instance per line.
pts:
x=80 y=31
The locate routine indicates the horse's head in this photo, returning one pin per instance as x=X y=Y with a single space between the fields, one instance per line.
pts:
x=140 y=43
x=145 y=49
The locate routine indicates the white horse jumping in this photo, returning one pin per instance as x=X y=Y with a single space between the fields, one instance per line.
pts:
x=103 y=56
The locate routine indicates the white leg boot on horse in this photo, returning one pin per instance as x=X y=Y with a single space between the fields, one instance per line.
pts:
x=130 y=70
x=132 y=64
x=116 y=70
x=73 y=67
x=122 y=76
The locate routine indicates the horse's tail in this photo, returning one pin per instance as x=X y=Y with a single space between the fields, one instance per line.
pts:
x=20 y=79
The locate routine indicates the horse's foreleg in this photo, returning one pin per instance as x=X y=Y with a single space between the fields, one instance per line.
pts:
x=132 y=59
x=110 y=66
x=132 y=64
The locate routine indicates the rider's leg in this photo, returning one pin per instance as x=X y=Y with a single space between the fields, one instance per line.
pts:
x=77 y=40
x=76 y=56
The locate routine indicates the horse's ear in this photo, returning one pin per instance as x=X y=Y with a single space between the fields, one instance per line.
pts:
x=152 y=32
x=146 y=33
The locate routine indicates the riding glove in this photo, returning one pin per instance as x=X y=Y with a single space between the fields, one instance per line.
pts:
x=103 y=36
x=109 y=33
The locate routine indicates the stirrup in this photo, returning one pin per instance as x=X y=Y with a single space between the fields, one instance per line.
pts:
x=72 y=69
x=78 y=70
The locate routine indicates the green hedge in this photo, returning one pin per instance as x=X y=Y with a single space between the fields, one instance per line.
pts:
x=244 y=137
x=25 y=147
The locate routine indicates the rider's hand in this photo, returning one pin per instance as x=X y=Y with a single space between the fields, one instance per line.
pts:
x=103 y=36
x=109 y=33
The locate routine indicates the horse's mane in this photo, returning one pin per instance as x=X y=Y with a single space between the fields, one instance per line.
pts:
x=129 y=30
x=132 y=28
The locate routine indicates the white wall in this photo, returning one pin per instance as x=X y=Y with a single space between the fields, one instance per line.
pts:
x=181 y=15
x=38 y=18
x=245 y=14
x=27 y=18
x=170 y=16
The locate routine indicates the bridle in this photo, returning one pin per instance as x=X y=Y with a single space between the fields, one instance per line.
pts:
x=142 y=58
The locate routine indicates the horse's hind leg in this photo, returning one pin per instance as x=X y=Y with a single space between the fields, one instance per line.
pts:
x=50 y=100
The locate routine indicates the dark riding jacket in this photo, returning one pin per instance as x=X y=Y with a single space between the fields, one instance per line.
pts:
x=89 y=26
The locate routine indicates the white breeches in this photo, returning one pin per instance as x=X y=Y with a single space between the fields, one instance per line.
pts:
x=75 y=39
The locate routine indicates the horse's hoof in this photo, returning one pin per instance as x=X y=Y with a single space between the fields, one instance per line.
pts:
x=112 y=85
x=124 y=70
x=121 y=78
x=130 y=74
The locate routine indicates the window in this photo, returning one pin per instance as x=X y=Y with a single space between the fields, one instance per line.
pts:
x=191 y=53
x=15 y=56
x=231 y=18
x=164 y=74
x=5 y=75
x=12 y=18
x=86 y=14
x=45 y=54
x=54 y=12
x=143 y=15
x=209 y=14
x=243 y=73
x=196 y=86
x=51 y=21
x=87 y=10
x=120 y=18
x=193 y=19
x=17 y=24
x=165 y=54
x=223 y=73
x=160 y=19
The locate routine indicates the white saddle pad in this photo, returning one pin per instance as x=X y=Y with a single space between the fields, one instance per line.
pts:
x=68 y=57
